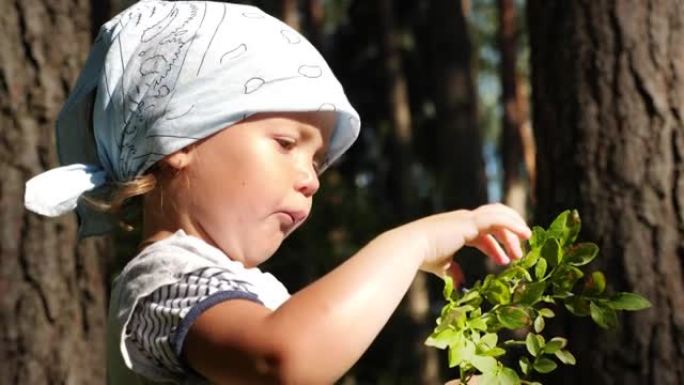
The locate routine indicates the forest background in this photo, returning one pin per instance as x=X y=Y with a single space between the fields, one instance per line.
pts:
x=543 y=105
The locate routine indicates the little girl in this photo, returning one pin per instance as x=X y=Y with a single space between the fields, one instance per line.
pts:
x=220 y=119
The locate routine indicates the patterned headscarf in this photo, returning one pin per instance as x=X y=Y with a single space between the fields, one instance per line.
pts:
x=164 y=74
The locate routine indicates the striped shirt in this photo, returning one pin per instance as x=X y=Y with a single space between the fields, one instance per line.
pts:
x=158 y=296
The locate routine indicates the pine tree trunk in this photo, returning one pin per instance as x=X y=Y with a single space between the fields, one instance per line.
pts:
x=515 y=135
x=315 y=17
x=52 y=308
x=424 y=361
x=290 y=13
x=608 y=86
x=458 y=141
x=460 y=181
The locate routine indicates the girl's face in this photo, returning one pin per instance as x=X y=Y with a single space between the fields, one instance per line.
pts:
x=249 y=186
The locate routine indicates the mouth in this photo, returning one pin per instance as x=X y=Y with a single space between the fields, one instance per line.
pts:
x=292 y=218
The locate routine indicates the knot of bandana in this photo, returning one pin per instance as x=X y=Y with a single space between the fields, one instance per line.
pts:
x=164 y=74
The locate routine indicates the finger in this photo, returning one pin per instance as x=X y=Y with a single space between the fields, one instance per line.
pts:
x=456 y=274
x=501 y=209
x=510 y=241
x=488 y=245
x=503 y=222
x=497 y=216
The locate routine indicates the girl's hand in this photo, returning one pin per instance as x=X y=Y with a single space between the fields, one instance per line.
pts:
x=486 y=228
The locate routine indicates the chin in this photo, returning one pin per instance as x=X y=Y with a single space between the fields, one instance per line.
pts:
x=261 y=256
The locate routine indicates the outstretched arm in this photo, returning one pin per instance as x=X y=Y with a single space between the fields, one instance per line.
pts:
x=322 y=330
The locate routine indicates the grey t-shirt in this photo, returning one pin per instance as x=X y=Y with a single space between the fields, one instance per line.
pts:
x=157 y=297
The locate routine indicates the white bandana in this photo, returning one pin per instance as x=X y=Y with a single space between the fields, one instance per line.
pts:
x=164 y=74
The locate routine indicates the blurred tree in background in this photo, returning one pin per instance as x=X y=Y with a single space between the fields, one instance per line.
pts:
x=442 y=88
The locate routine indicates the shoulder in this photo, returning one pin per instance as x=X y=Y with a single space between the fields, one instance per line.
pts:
x=181 y=258
x=161 y=292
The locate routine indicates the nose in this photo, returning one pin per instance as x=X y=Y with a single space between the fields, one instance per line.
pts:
x=307 y=181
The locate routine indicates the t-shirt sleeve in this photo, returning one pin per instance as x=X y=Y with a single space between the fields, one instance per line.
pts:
x=161 y=320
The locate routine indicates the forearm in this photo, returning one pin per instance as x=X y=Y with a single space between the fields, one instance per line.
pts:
x=318 y=334
x=328 y=325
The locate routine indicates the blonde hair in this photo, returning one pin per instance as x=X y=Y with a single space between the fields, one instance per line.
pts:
x=123 y=200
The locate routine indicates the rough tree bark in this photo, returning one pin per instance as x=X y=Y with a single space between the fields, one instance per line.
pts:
x=608 y=88
x=52 y=308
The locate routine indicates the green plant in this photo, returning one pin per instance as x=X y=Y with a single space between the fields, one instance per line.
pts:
x=520 y=297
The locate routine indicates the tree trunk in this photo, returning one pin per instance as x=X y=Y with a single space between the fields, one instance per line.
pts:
x=460 y=180
x=315 y=18
x=52 y=308
x=425 y=360
x=458 y=141
x=608 y=83
x=516 y=135
x=290 y=13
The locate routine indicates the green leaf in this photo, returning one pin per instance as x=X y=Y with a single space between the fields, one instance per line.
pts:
x=444 y=338
x=548 y=313
x=488 y=379
x=551 y=251
x=475 y=336
x=455 y=355
x=495 y=352
x=453 y=316
x=564 y=278
x=515 y=272
x=471 y=297
x=514 y=343
x=512 y=317
x=497 y=292
x=539 y=324
x=565 y=357
x=478 y=323
x=574 y=224
x=530 y=259
x=628 y=301
x=508 y=376
x=530 y=293
x=594 y=284
x=581 y=253
x=577 y=305
x=544 y=365
x=490 y=339
x=538 y=237
x=476 y=313
x=448 y=287
x=563 y=341
x=524 y=363
x=540 y=269
x=604 y=316
x=554 y=345
x=532 y=342
x=461 y=351
x=484 y=364
x=502 y=376
x=565 y=227
x=548 y=299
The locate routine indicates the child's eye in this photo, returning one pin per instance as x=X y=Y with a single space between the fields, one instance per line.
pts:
x=286 y=143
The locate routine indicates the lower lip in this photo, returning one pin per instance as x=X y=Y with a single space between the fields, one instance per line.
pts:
x=287 y=218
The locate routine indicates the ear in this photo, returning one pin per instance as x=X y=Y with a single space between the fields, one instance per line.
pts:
x=177 y=161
